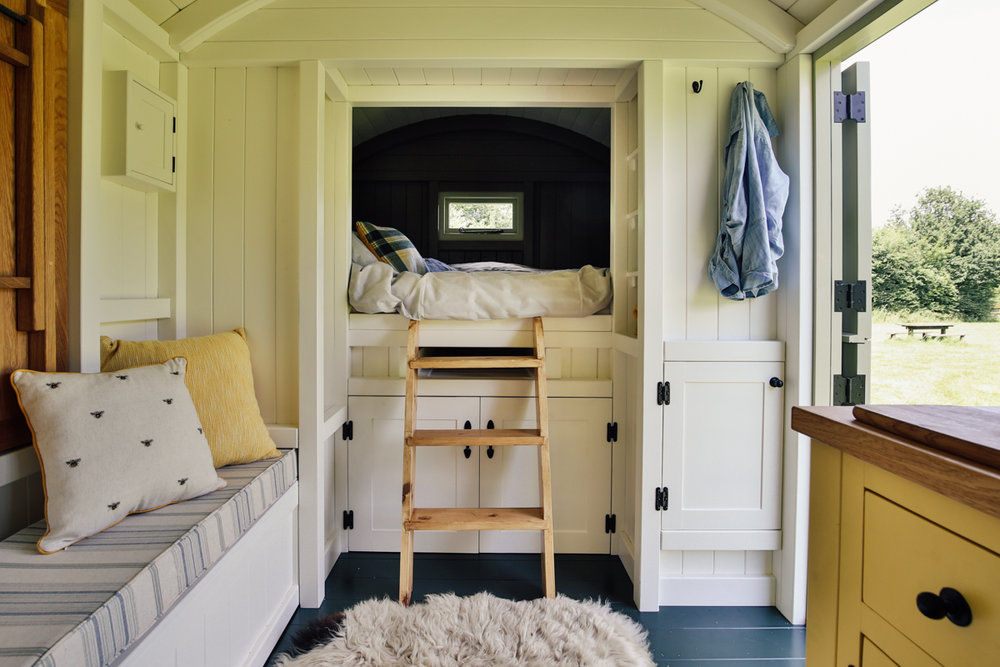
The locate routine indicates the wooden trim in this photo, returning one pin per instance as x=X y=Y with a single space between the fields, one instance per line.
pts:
x=15 y=282
x=975 y=485
x=13 y=56
x=774 y=27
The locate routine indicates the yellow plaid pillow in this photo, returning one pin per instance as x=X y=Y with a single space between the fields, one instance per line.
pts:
x=220 y=380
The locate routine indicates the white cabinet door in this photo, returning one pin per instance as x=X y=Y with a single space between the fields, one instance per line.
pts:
x=722 y=446
x=445 y=477
x=581 y=474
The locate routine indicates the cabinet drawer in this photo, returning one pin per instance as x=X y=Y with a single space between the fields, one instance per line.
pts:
x=905 y=554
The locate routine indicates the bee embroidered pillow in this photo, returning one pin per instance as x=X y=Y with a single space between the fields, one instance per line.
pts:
x=112 y=444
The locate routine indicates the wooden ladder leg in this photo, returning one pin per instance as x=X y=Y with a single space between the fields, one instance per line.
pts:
x=409 y=468
x=544 y=464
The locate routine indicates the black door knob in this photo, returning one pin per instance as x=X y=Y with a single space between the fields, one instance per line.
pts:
x=468 y=450
x=947 y=603
x=776 y=382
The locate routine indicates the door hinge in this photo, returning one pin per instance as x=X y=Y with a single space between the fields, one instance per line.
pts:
x=173 y=165
x=848 y=390
x=662 y=496
x=848 y=107
x=850 y=296
x=663 y=393
x=348 y=519
x=175 y=124
x=348 y=432
x=610 y=520
x=613 y=432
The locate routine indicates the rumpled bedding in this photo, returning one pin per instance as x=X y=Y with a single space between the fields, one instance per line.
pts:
x=480 y=291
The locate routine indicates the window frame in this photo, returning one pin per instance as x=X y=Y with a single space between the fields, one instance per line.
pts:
x=448 y=235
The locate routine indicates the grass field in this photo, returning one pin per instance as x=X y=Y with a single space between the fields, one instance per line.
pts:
x=908 y=369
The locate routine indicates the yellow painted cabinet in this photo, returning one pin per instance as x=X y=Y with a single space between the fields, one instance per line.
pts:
x=896 y=541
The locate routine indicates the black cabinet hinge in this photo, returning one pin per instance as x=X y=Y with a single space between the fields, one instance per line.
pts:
x=850 y=296
x=613 y=432
x=662 y=497
x=849 y=107
x=663 y=393
x=348 y=519
x=609 y=523
x=848 y=390
x=173 y=165
x=348 y=432
x=175 y=124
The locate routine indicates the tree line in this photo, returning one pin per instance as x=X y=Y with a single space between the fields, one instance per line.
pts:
x=943 y=256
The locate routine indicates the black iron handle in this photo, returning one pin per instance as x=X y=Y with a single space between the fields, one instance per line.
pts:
x=468 y=450
x=489 y=450
x=947 y=603
x=776 y=382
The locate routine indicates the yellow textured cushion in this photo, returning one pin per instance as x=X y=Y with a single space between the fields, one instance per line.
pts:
x=220 y=380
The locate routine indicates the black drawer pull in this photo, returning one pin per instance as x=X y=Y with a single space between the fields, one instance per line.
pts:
x=948 y=603
x=468 y=450
x=489 y=450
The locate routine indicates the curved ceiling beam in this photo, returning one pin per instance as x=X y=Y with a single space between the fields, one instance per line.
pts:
x=775 y=28
x=201 y=20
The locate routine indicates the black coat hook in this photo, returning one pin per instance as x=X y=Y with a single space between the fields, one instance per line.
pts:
x=696 y=85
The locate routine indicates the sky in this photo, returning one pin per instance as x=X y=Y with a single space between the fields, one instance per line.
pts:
x=934 y=106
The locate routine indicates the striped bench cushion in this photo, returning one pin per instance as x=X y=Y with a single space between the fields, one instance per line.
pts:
x=87 y=604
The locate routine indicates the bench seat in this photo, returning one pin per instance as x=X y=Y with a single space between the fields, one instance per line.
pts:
x=90 y=603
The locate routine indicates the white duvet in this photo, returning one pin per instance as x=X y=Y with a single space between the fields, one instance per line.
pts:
x=479 y=295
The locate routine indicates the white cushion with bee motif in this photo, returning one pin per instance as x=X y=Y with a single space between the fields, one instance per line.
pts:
x=112 y=444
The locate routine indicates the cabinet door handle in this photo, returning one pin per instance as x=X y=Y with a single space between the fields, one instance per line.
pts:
x=468 y=450
x=489 y=450
x=948 y=603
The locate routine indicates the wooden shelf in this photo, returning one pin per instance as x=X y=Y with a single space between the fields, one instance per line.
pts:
x=476 y=437
x=478 y=518
x=477 y=362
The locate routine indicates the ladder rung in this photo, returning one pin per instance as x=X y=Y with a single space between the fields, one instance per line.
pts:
x=476 y=362
x=476 y=437
x=476 y=518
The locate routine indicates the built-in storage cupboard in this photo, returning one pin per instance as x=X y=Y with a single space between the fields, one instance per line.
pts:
x=580 y=426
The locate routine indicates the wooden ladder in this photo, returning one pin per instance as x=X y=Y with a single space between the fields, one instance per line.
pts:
x=475 y=518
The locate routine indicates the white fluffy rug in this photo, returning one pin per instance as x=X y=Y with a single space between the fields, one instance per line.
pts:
x=482 y=630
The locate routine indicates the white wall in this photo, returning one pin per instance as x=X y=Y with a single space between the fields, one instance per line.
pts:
x=242 y=242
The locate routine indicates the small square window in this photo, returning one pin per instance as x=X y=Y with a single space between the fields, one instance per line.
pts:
x=493 y=216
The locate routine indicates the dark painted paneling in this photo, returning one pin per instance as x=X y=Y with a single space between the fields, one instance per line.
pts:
x=565 y=178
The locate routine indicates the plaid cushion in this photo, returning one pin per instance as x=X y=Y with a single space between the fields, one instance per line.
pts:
x=391 y=246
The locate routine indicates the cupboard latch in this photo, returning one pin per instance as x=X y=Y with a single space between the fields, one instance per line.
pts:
x=348 y=432
x=662 y=497
x=613 y=432
x=663 y=393
x=609 y=523
x=348 y=519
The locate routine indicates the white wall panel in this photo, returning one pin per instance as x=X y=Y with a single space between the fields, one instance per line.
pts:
x=227 y=199
x=201 y=172
x=259 y=196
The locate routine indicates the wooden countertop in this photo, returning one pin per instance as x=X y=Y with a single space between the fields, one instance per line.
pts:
x=974 y=484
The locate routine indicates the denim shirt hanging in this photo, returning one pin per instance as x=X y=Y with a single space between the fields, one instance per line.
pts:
x=754 y=193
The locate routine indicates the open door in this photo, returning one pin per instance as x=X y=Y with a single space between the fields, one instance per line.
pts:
x=843 y=234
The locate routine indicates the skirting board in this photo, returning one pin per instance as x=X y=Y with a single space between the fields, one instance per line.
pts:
x=749 y=591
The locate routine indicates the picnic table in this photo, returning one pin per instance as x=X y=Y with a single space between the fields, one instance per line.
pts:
x=910 y=328
x=927 y=330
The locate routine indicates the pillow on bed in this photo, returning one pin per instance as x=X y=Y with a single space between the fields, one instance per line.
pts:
x=112 y=444
x=437 y=266
x=391 y=246
x=220 y=379
x=360 y=254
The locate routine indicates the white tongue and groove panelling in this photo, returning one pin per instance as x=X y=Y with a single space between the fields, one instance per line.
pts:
x=484 y=76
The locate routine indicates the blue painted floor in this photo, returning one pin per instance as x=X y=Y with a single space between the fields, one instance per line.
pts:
x=681 y=636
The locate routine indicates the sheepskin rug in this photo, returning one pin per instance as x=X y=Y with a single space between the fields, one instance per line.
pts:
x=481 y=630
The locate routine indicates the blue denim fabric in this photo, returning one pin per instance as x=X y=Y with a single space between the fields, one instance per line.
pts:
x=754 y=194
